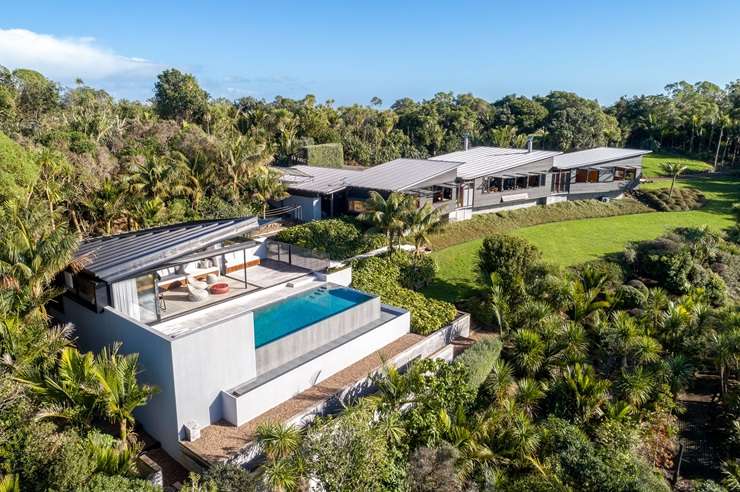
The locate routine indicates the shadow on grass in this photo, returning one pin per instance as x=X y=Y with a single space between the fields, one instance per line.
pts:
x=451 y=290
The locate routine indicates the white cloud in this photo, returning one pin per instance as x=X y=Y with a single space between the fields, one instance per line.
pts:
x=68 y=58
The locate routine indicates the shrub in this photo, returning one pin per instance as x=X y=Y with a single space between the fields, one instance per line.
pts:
x=18 y=169
x=230 y=478
x=339 y=238
x=433 y=470
x=611 y=270
x=479 y=359
x=381 y=276
x=417 y=271
x=665 y=260
x=104 y=483
x=629 y=297
x=509 y=257
x=682 y=199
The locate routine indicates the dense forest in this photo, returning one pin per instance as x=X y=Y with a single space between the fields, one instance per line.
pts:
x=118 y=164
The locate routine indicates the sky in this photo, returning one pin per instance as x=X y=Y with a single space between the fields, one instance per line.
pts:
x=350 y=51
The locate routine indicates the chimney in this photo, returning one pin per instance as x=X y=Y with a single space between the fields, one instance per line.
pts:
x=466 y=141
x=529 y=144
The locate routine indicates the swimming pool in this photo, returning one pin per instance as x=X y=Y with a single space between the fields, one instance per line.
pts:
x=294 y=313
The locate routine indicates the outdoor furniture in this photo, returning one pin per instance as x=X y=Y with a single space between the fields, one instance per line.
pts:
x=195 y=294
x=198 y=284
x=219 y=288
x=212 y=278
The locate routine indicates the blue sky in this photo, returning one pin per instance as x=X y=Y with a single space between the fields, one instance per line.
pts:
x=351 y=51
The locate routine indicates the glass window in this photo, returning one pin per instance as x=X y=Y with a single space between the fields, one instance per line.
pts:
x=618 y=174
x=495 y=185
x=509 y=184
x=581 y=175
x=146 y=300
x=593 y=175
x=560 y=182
x=630 y=174
x=441 y=194
x=357 y=206
x=521 y=182
x=535 y=180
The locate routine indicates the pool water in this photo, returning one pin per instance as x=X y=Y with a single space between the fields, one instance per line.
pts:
x=294 y=313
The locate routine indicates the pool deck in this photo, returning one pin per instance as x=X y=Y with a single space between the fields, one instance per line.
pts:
x=213 y=313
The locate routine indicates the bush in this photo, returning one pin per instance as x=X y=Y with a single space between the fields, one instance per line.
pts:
x=666 y=260
x=230 y=478
x=610 y=269
x=104 y=483
x=682 y=199
x=18 y=169
x=509 y=257
x=479 y=359
x=339 y=238
x=433 y=470
x=381 y=276
x=417 y=271
x=629 y=297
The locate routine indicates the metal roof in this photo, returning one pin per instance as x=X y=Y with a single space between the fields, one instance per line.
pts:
x=595 y=156
x=316 y=179
x=401 y=174
x=112 y=258
x=483 y=161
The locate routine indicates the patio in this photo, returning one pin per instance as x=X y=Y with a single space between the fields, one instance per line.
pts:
x=175 y=299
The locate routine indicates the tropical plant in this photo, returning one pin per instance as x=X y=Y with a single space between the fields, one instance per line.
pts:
x=421 y=222
x=120 y=391
x=388 y=215
x=674 y=170
x=266 y=186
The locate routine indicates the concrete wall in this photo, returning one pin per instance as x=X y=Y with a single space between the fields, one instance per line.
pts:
x=244 y=408
x=94 y=331
x=340 y=277
x=292 y=346
x=190 y=371
x=310 y=206
x=207 y=361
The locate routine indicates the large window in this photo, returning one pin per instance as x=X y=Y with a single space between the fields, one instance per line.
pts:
x=441 y=194
x=619 y=174
x=560 y=182
x=587 y=176
x=630 y=173
x=536 y=180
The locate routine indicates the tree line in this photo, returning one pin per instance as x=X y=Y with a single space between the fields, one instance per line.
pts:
x=117 y=164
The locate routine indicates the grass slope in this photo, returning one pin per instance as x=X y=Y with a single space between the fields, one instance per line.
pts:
x=651 y=164
x=575 y=241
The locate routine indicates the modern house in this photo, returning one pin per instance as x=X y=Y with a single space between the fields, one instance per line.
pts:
x=227 y=326
x=472 y=181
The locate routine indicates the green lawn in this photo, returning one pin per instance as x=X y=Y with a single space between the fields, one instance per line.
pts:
x=651 y=164
x=575 y=241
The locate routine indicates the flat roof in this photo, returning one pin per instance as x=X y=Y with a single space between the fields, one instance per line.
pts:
x=482 y=161
x=595 y=156
x=401 y=174
x=316 y=179
x=120 y=256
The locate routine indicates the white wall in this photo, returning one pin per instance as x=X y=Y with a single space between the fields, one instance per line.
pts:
x=310 y=206
x=207 y=361
x=239 y=410
x=190 y=371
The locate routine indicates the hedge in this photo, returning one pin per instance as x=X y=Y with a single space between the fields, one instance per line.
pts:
x=381 y=276
x=323 y=155
x=338 y=238
x=682 y=199
x=479 y=360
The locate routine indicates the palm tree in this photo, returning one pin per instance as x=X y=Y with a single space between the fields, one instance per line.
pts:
x=636 y=386
x=724 y=348
x=111 y=457
x=585 y=301
x=584 y=392
x=280 y=443
x=71 y=393
x=121 y=393
x=528 y=394
x=421 y=222
x=159 y=176
x=674 y=170
x=266 y=185
x=32 y=253
x=388 y=216
x=528 y=351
